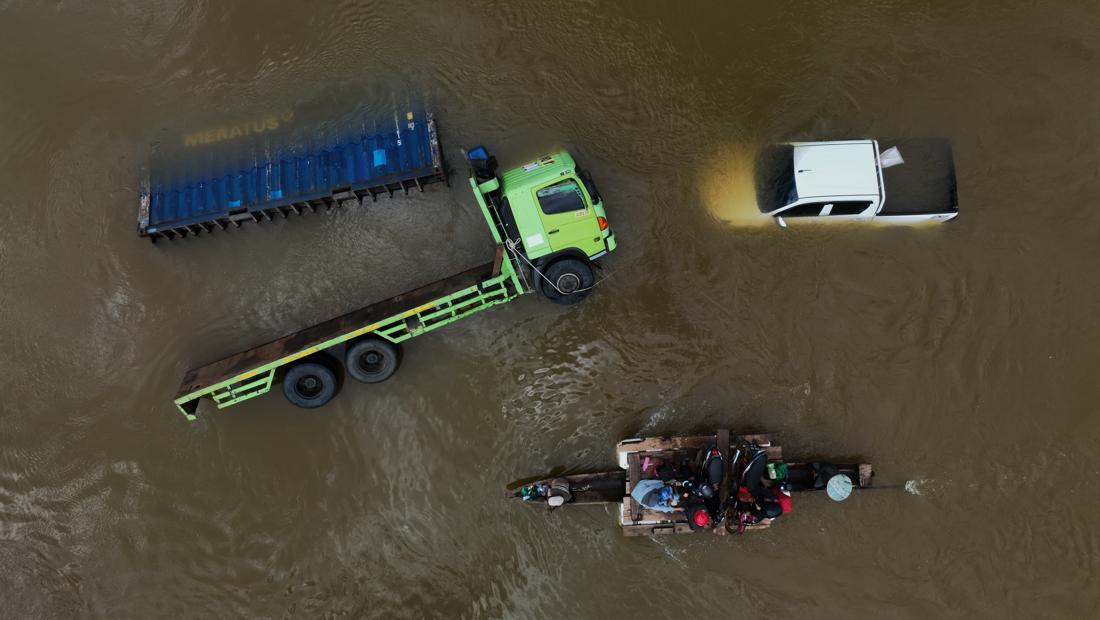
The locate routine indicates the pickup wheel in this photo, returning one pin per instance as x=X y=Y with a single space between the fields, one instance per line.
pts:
x=309 y=385
x=372 y=360
x=567 y=281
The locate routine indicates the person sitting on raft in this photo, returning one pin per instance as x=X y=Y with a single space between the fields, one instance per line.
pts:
x=655 y=495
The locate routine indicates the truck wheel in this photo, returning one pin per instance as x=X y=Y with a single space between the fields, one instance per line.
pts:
x=572 y=278
x=372 y=360
x=309 y=385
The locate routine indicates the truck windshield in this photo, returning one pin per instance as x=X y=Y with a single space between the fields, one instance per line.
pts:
x=773 y=177
x=561 y=197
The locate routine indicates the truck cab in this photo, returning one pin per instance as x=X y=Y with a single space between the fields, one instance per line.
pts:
x=854 y=180
x=549 y=215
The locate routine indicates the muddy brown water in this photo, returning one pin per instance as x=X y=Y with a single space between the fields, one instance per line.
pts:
x=960 y=359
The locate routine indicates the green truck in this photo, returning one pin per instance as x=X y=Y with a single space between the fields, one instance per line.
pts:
x=549 y=226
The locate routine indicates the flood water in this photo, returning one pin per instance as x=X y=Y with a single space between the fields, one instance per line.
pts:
x=959 y=359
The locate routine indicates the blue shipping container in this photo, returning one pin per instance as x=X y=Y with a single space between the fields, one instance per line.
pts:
x=358 y=165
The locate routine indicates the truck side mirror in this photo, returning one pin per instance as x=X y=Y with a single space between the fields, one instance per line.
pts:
x=779 y=220
x=484 y=164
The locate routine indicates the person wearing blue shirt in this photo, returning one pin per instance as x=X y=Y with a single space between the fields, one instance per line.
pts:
x=655 y=495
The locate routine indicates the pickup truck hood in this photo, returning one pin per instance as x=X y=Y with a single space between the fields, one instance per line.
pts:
x=833 y=169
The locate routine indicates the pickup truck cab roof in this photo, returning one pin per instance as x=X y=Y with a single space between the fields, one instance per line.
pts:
x=848 y=168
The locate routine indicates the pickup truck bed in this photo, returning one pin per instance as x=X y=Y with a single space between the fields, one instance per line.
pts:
x=925 y=183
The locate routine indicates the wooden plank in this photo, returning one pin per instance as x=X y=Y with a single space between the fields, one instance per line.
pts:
x=649 y=518
x=665 y=443
x=727 y=467
x=667 y=446
x=634 y=468
x=674 y=528
x=649 y=444
x=865 y=474
x=634 y=471
x=498 y=258
x=655 y=530
x=678 y=515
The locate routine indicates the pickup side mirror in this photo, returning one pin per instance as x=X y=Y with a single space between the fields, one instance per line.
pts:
x=779 y=220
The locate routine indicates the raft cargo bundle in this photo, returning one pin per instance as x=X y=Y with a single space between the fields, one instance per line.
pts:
x=365 y=163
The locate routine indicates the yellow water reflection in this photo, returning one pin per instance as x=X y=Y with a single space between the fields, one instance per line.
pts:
x=726 y=187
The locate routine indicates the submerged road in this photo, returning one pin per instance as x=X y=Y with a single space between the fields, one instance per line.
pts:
x=959 y=359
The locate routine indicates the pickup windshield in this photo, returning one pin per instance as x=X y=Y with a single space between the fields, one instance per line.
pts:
x=773 y=177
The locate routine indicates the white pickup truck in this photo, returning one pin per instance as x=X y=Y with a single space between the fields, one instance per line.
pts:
x=913 y=180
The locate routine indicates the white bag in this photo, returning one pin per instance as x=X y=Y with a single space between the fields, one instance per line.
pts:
x=890 y=157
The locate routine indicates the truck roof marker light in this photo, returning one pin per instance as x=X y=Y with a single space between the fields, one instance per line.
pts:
x=602 y=221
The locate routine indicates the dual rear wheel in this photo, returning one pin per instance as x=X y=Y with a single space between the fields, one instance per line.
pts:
x=312 y=384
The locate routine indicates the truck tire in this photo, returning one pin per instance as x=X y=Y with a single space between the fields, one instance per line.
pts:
x=572 y=277
x=372 y=360
x=309 y=385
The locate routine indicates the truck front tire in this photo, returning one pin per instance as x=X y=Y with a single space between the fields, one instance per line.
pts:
x=567 y=281
x=309 y=385
x=372 y=360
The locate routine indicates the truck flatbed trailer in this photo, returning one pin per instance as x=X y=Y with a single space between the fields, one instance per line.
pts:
x=251 y=372
x=291 y=181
